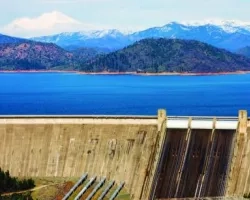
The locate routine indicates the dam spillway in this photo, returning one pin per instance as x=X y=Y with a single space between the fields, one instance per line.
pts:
x=157 y=157
x=195 y=163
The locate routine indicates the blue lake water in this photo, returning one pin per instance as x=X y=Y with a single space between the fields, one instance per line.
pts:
x=70 y=93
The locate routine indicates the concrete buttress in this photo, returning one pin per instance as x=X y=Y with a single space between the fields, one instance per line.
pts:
x=238 y=183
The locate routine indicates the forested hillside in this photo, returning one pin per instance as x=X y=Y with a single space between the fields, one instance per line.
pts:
x=34 y=56
x=148 y=55
x=169 y=55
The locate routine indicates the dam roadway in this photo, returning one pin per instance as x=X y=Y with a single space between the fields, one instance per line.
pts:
x=156 y=156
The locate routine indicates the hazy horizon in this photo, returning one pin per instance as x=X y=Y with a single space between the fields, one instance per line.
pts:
x=45 y=17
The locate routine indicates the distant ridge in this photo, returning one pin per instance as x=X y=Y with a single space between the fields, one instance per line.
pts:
x=107 y=39
x=244 y=51
x=169 y=55
x=230 y=35
x=8 y=39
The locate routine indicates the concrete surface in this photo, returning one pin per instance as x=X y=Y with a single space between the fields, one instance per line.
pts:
x=149 y=156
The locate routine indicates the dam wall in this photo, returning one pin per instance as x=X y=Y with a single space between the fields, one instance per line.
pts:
x=119 y=149
x=239 y=177
x=158 y=157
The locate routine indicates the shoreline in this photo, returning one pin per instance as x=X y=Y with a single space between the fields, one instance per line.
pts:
x=125 y=73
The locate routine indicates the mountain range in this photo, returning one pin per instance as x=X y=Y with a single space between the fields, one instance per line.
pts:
x=230 y=35
x=168 y=55
x=175 y=47
x=147 y=55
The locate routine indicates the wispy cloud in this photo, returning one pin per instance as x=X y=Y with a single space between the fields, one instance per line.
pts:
x=72 y=1
x=45 y=24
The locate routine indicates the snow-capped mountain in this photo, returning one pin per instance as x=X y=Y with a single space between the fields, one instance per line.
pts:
x=109 y=39
x=231 y=35
x=230 y=26
x=226 y=35
x=44 y=24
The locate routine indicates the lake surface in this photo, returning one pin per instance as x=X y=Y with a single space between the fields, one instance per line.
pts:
x=70 y=93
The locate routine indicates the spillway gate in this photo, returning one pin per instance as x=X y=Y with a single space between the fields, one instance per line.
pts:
x=195 y=159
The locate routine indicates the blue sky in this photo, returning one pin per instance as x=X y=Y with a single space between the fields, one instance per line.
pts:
x=19 y=17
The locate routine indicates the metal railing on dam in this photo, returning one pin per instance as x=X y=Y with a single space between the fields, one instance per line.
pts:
x=175 y=122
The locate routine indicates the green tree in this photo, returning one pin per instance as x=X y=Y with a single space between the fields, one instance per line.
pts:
x=12 y=184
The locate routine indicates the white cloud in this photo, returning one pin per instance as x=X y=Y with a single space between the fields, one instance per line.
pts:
x=73 y=1
x=216 y=21
x=46 y=24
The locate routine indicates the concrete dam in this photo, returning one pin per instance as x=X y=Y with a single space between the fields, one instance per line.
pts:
x=157 y=157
